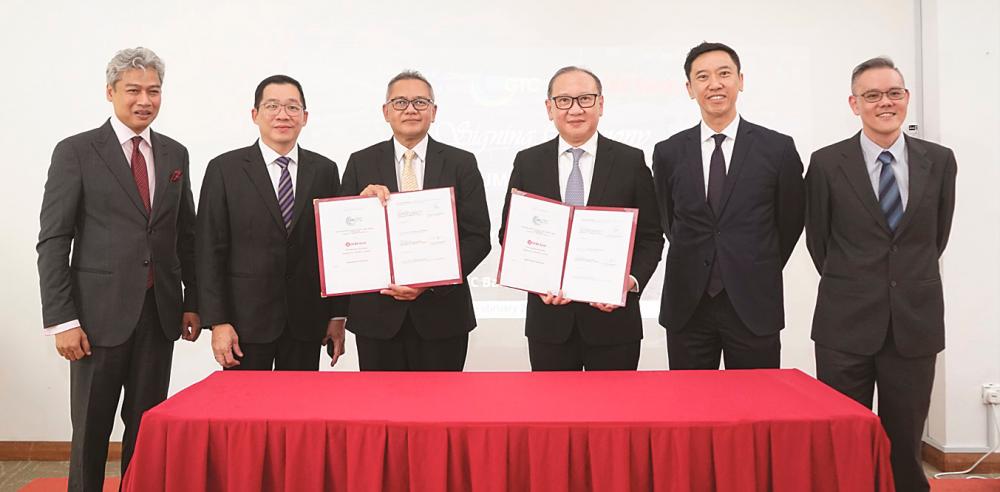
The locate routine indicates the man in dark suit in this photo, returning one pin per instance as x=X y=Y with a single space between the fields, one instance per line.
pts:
x=120 y=197
x=257 y=243
x=580 y=167
x=732 y=201
x=414 y=328
x=879 y=213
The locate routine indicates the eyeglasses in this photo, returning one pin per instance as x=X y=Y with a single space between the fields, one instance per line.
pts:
x=271 y=108
x=584 y=100
x=874 y=96
x=401 y=103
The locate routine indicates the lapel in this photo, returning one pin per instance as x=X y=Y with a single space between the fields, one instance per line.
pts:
x=919 y=168
x=854 y=167
x=304 y=177
x=433 y=164
x=603 y=162
x=386 y=164
x=162 y=168
x=744 y=140
x=256 y=169
x=693 y=162
x=548 y=168
x=110 y=151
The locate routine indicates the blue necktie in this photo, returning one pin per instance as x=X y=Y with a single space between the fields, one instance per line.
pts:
x=574 y=185
x=286 y=198
x=889 y=199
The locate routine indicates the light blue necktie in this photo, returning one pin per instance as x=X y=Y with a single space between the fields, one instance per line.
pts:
x=286 y=198
x=889 y=199
x=574 y=185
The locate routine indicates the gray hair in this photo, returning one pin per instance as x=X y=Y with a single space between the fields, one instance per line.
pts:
x=408 y=75
x=571 y=68
x=133 y=58
x=877 y=62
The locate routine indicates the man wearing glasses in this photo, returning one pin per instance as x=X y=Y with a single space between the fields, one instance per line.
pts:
x=581 y=167
x=256 y=243
x=879 y=213
x=733 y=203
x=414 y=328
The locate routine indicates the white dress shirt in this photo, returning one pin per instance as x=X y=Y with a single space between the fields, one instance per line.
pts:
x=708 y=146
x=900 y=164
x=586 y=165
x=274 y=170
x=125 y=136
x=420 y=151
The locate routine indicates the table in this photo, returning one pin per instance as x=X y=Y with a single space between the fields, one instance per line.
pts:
x=762 y=430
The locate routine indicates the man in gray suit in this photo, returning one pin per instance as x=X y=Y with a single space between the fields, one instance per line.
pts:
x=120 y=197
x=878 y=215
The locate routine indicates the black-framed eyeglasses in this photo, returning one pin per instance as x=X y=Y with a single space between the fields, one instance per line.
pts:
x=874 y=96
x=272 y=108
x=584 y=100
x=401 y=103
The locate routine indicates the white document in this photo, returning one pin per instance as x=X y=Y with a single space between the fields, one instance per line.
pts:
x=354 y=251
x=599 y=255
x=534 y=244
x=423 y=237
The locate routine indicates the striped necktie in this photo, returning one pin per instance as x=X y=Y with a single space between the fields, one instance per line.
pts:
x=286 y=197
x=889 y=199
x=574 y=185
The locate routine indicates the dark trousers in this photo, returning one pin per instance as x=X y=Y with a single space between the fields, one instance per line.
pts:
x=904 y=397
x=408 y=351
x=142 y=366
x=577 y=355
x=716 y=332
x=283 y=354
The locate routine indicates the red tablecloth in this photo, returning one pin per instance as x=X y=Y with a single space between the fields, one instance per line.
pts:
x=768 y=430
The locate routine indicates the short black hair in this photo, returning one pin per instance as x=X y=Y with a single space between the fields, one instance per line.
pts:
x=877 y=62
x=706 y=47
x=572 y=68
x=277 y=79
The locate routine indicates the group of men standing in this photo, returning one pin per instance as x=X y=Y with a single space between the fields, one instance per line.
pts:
x=728 y=194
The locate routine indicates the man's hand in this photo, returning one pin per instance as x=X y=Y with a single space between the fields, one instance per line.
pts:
x=190 y=326
x=402 y=292
x=607 y=308
x=376 y=190
x=72 y=344
x=335 y=335
x=555 y=299
x=226 y=345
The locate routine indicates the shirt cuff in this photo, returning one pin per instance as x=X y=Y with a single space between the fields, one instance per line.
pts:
x=339 y=318
x=635 y=288
x=61 y=327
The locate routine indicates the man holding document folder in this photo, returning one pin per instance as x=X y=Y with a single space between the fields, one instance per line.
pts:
x=404 y=328
x=581 y=167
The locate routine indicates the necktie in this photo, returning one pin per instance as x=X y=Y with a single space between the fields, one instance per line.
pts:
x=716 y=175
x=889 y=199
x=141 y=177
x=409 y=177
x=716 y=182
x=286 y=197
x=574 y=185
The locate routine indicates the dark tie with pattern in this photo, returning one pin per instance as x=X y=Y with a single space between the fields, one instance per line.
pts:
x=286 y=198
x=889 y=199
x=141 y=177
x=716 y=182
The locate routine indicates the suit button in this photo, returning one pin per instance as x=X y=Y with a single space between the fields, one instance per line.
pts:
x=894 y=248
x=892 y=284
x=145 y=262
x=718 y=233
x=708 y=263
x=149 y=231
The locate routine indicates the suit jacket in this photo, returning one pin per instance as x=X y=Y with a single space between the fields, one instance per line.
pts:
x=440 y=312
x=621 y=179
x=872 y=278
x=257 y=276
x=92 y=203
x=763 y=204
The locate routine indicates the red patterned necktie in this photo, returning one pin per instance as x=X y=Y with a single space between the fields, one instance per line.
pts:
x=142 y=183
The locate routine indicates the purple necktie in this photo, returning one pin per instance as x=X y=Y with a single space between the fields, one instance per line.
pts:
x=286 y=198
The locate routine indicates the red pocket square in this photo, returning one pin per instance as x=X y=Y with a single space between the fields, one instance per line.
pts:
x=174 y=176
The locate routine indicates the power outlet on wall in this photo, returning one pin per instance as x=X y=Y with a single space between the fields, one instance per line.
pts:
x=991 y=394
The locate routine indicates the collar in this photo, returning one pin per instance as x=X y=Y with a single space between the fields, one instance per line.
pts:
x=590 y=146
x=729 y=131
x=420 y=149
x=872 y=150
x=270 y=155
x=125 y=133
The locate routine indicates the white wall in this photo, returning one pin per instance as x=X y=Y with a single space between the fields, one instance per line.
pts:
x=961 y=45
x=489 y=65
